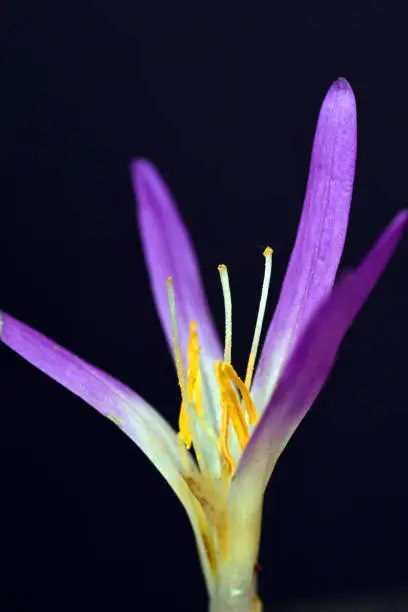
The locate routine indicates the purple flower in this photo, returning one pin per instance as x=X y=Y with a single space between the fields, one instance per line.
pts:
x=237 y=426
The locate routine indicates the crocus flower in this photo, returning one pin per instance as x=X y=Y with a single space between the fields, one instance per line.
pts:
x=237 y=427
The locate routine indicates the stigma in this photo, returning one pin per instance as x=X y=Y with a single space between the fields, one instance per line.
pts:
x=238 y=413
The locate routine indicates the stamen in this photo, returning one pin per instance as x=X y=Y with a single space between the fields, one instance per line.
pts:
x=176 y=340
x=184 y=433
x=243 y=389
x=231 y=411
x=193 y=389
x=261 y=313
x=227 y=458
x=184 y=429
x=198 y=402
x=226 y=291
x=193 y=386
x=193 y=375
x=191 y=399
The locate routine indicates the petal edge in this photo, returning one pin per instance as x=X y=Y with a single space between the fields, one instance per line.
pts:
x=313 y=358
x=320 y=238
x=135 y=417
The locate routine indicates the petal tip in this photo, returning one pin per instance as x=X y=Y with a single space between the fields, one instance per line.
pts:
x=402 y=216
x=341 y=94
x=342 y=84
x=149 y=188
x=400 y=220
x=142 y=168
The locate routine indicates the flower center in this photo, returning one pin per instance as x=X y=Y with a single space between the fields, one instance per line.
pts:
x=237 y=408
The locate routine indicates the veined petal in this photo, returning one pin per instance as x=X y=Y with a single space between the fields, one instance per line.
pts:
x=312 y=360
x=126 y=409
x=320 y=237
x=169 y=252
x=152 y=434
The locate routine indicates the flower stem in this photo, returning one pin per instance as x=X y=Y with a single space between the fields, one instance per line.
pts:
x=236 y=602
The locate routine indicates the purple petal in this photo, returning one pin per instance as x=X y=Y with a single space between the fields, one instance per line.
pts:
x=108 y=396
x=313 y=358
x=169 y=252
x=119 y=403
x=320 y=237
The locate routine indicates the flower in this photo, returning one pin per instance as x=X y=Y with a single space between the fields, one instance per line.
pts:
x=236 y=426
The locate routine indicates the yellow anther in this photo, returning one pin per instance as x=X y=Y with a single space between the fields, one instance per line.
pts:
x=197 y=397
x=226 y=291
x=193 y=358
x=231 y=411
x=193 y=388
x=227 y=458
x=184 y=429
x=259 y=320
x=246 y=398
x=235 y=396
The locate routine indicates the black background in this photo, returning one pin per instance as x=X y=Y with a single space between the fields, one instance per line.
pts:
x=223 y=97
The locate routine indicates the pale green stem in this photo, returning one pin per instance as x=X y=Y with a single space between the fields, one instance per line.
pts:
x=230 y=600
x=244 y=604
